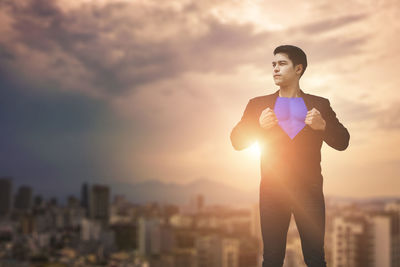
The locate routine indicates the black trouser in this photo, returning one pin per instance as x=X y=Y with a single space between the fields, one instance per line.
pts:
x=278 y=200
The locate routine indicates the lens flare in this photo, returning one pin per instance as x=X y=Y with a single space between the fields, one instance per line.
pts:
x=254 y=150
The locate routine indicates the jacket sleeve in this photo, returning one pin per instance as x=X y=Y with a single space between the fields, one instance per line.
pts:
x=335 y=134
x=247 y=129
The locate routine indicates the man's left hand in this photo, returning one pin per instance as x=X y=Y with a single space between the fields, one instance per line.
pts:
x=315 y=120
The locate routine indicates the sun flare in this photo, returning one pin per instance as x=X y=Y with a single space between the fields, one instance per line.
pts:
x=254 y=150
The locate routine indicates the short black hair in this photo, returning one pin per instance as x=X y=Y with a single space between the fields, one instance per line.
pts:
x=295 y=54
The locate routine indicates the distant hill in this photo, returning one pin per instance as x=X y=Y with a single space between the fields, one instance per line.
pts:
x=174 y=193
x=366 y=200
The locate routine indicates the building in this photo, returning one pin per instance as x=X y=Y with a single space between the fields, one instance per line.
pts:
x=99 y=203
x=185 y=257
x=380 y=230
x=216 y=251
x=147 y=230
x=125 y=236
x=363 y=240
x=393 y=208
x=5 y=195
x=351 y=244
x=23 y=198
x=85 y=197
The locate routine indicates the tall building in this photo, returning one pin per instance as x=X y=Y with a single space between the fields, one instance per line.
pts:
x=85 y=197
x=5 y=195
x=147 y=230
x=162 y=239
x=196 y=204
x=381 y=237
x=199 y=202
x=99 y=208
x=393 y=208
x=90 y=230
x=351 y=247
x=363 y=241
x=23 y=198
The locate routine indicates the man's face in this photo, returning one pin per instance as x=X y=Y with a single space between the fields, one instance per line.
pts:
x=283 y=71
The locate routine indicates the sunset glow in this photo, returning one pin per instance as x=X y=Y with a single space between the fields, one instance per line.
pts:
x=141 y=90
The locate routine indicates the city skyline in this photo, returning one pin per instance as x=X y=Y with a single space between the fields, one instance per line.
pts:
x=97 y=230
x=154 y=191
x=123 y=92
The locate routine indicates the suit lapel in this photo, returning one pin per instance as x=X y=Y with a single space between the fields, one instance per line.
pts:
x=307 y=100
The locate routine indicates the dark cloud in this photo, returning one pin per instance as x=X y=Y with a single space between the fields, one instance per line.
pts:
x=121 y=46
x=55 y=139
x=121 y=50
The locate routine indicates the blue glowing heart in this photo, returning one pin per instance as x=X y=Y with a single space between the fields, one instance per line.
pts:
x=291 y=113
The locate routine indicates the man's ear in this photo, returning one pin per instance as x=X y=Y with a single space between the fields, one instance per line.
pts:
x=298 y=68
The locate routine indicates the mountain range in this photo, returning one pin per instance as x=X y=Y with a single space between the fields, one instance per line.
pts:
x=175 y=193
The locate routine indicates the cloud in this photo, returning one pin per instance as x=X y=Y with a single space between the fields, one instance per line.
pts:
x=389 y=118
x=56 y=139
x=139 y=89
x=325 y=25
x=374 y=117
x=118 y=47
x=357 y=111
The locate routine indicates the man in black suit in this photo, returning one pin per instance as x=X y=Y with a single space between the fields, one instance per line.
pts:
x=289 y=126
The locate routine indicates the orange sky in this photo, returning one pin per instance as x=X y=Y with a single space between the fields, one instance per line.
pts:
x=178 y=74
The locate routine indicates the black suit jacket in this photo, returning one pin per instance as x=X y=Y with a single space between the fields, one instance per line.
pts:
x=297 y=158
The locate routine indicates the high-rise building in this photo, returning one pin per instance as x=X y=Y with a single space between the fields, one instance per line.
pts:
x=162 y=239
x=5 y=195
x=100 y=203
x=199 y=202
x=381 y=237
x=23 y=198
x=363 y=240
x=90 y=230
x=147 y=230
x=85 y=197
x=351 y=247
x=393 y=209
x=196 y=204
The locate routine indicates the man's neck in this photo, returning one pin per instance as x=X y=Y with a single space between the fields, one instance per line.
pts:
x=289 y=91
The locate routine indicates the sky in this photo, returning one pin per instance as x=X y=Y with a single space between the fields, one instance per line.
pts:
x=130 y=91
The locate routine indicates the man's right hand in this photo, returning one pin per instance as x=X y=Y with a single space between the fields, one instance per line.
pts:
x=268 y=119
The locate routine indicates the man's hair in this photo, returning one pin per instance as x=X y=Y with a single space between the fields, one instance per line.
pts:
x=295 y=54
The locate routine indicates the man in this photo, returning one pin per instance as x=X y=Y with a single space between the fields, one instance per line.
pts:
x=289 y=126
